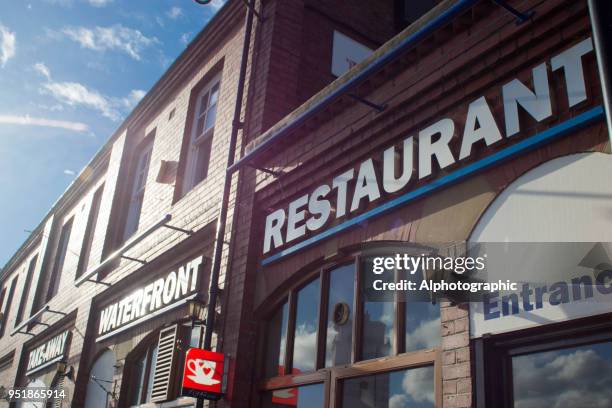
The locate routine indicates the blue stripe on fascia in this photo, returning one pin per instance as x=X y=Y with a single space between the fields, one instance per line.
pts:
x=430 y=27
x=548 y=135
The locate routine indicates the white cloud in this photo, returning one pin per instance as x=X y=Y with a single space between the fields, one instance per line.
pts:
x=563 y=379
x=174 y=13
x=398 y=401
x=133 y=98
x=418 y=383
x=426 y=335
x=99 y=3
x=69 y=172
x=304 y=345
x=76 y=94
x=42 y=69
x=185 y=38
x=27 y=120
x=7 y=45
x=114 y=38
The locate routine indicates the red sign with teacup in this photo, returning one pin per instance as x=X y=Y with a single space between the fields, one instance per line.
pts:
x=203 y=374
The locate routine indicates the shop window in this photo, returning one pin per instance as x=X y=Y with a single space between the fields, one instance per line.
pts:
x=7 y=308
x=565 y=364
x=331 y=325
x=154 y=366
x=422 y=326
x=576 y=376
x=340 y=315
x=306 y=396
x=101 y=382
x=199 y=142
x=90 y=230
x=413 y=387
x=25 y=295
x=305 y=331
x=60 y=258
x=142 y=376
x=139 y=182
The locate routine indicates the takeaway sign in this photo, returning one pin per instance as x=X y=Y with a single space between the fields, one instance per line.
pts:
x=52 y=351
x=167 y=292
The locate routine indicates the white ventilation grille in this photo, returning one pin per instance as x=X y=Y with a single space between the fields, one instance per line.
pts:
x=164 y=379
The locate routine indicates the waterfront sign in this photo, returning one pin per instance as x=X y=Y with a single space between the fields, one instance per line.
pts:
x=348 y=193
x=150 y=300
x=52 y=351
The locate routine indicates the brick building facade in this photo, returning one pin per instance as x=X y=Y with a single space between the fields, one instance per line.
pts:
x=483 y=106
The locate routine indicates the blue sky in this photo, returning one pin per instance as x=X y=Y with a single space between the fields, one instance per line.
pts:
x=70 y=72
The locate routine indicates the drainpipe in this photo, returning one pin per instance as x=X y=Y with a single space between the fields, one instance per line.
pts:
x=598 y=14
x=222 y=220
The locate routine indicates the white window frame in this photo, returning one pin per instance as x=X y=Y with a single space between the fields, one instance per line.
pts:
x=196 y=140
x=138 y=189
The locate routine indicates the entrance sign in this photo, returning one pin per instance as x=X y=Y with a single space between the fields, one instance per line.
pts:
x=52 y=351
x=203 y=375
x=376 y=177
x=163 y=294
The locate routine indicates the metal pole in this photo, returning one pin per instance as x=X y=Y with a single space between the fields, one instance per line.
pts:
x=222 y=220
x=595 y=15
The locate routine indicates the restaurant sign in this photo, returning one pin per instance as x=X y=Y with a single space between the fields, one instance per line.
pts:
x=441 y=145
x=163 y=294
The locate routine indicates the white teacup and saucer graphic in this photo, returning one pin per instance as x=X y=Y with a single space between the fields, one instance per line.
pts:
x=202 y=371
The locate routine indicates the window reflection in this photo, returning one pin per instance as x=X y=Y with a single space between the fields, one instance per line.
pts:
x=151 y=376
x=340 y=316
x=573 y=377
x=306 y=318
x=422 y=325
x=378 y=315
x=378 y=330
x=306 y=396
x=139 y=375
x=276 y=342
x=405 y=388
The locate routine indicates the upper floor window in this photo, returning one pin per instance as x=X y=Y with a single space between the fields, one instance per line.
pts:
x=141 y=171
x=90 y=229
x=25 y=294
x=200 y=138
x=7 y=308
x=60 y=258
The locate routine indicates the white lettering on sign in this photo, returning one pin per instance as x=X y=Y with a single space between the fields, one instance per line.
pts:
x=47 y=352
x=158 y=294
x=311 y=212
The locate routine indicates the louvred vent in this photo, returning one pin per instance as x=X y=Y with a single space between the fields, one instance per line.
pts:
x=164 y=380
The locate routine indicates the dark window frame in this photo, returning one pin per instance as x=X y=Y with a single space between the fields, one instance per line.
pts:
x=213 y=77
x=144 y=349
x=27 y=287
x=332 y=376
x=493 y=353
x=9 y=303
x=90 y=231
x=145 y=147
x=59 y=259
